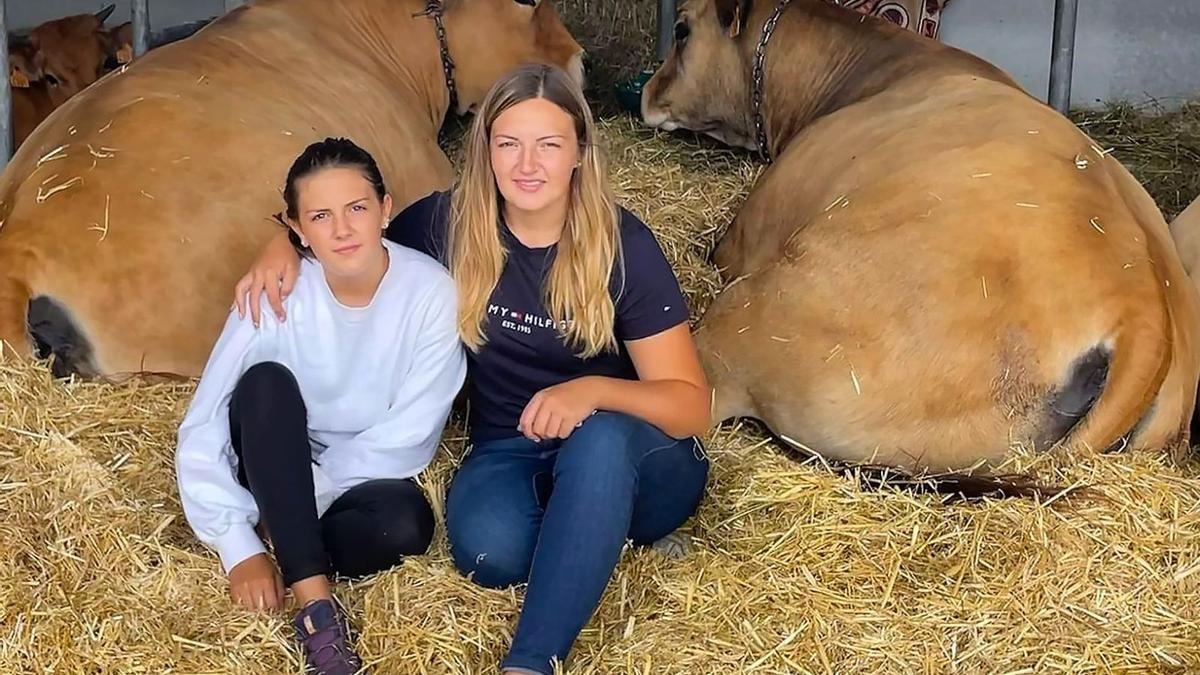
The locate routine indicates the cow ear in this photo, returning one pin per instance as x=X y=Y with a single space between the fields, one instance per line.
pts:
x=733 y=15
x=103 y=14
x=121 y=42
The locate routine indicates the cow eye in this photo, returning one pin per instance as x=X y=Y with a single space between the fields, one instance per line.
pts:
x=51 y=80
x=531 y=3
x=681 y=31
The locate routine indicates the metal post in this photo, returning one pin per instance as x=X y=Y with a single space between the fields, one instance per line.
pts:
x=141 y=27
x=1062 y=54
x=666 y=28
x=6 y=127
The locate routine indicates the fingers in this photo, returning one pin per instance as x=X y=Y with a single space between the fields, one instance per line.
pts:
x=255 y=299
x=280 y=287
x=239 y=295
x=545 y=425
x=525 y=425
x=274 y=297
x=271 y=599
x=542 y=419
x=259 y=595
x=290 y=272
x=279 y=591
x=273 y=586
x=565 y=427
x=242 y=596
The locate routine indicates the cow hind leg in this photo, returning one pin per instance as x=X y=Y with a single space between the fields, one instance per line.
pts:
x=56 y=334
x=14 y=299
x=1070 y=403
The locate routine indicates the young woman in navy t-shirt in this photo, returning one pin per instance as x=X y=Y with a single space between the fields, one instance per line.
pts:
x=585 y=389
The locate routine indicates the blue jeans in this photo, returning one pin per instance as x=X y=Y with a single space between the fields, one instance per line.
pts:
x=557 y=514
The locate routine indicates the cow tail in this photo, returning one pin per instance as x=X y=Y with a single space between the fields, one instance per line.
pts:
x=963 y=486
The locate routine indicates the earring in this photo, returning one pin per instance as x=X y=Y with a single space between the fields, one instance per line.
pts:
x=303 y=242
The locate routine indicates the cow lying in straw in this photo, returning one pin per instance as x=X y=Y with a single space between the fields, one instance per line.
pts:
x=124 y=213
x=936 y=267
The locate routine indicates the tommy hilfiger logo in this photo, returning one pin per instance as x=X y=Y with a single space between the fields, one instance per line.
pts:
x=523 y=322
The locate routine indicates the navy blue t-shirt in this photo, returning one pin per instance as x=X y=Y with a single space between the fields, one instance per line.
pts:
x=524 y=353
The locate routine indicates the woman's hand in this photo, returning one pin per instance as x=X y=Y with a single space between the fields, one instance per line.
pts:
x=255 y=583
x=555 y=412
x=275 y=272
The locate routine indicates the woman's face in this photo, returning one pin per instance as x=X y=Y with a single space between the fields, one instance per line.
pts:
x=534 y=152
x=342 y=220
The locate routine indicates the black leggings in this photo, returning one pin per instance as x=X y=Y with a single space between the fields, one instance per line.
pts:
x=368 y=529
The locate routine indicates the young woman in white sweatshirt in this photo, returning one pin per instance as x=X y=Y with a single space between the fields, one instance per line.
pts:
x=314 y=428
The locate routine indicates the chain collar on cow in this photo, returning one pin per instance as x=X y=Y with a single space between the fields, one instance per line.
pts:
x=434 y=9
x=760 y=54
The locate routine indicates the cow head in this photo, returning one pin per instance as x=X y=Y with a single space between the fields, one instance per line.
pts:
x=72 y=51
x=703 y=85
x=490 y=37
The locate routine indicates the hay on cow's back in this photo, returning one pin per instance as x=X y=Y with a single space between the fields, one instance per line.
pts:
x=795 y=569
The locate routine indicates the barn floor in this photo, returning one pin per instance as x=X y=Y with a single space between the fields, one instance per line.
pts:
x=795 y=568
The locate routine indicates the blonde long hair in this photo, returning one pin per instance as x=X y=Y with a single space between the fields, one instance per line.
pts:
x=576 y=292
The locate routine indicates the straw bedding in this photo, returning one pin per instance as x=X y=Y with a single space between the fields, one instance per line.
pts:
x=794 y=569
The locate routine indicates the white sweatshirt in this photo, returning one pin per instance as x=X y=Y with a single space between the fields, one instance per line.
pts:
x=377 y=382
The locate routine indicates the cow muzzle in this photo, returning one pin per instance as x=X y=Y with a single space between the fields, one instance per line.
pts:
x=657 y=118
x=660 y=120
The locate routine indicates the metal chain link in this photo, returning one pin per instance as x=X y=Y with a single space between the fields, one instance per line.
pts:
x=759 y=59
x=433 y=8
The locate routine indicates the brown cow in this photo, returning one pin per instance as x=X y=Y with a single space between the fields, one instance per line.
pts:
x=56 y=61
x=936 y=267
x=124 y=215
